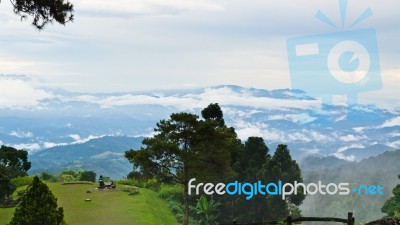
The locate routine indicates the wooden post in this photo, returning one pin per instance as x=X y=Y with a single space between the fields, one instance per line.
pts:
x=350 y=219
x=289 y=220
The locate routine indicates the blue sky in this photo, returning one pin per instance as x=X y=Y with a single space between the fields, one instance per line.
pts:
x=130 y=45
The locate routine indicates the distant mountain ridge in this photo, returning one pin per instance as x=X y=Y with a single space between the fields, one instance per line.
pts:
x=279 y=116
x=104 y=155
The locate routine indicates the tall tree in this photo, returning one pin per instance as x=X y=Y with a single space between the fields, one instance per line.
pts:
x=6 y=188
x=44 y=11
x=16 y=161
x=13 y=163
x=186 y=147
x=38 y=207
x=283 y=168
x=249 y=166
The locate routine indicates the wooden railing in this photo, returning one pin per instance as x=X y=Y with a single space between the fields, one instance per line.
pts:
x=289 y=220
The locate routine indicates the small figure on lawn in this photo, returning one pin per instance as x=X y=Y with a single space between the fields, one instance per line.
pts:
x=101 y=182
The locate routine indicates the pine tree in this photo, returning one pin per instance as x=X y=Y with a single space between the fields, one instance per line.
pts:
x=38 y=207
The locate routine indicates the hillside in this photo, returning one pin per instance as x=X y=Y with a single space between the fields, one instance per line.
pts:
x=107 y=207
x=104 y=156
x=382 y=169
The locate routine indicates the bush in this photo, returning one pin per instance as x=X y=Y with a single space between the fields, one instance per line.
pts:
x=88 y=176
x=49 y=177
x=173 y=192
x=152 y=184
x=68 y=178
x=77 y=182
x=130 y=189
x=22 y=181
x=130 y=182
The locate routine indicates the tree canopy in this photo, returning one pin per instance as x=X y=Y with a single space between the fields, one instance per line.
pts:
x=186 y=147
x=13 y=163
x=38 y=207
x=392 y=205
x=44 y=11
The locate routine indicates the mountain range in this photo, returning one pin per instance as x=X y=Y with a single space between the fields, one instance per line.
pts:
x=308 y=126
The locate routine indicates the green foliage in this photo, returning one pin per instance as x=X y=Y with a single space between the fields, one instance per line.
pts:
x=67 y=178
x=22 y=181
x=130 y=182
x=6 y=188
x=152 y=184
x=49 y=177
x=249 y=164
x=185 y=147
x=15 y=161
x=392 y=205
x=88 y=176
x=208 y=211
x=38 y=206
x=44 y=11
x=173 y=192
x=130 y=189
x=281 y=167
x=77 y=182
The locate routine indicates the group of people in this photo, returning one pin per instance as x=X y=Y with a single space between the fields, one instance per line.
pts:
x=109 y=185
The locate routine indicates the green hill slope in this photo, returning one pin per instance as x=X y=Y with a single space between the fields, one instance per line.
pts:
x=105 y=156
x=108 y=207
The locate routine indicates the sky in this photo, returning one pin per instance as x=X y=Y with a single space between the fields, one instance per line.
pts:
x=132 y=45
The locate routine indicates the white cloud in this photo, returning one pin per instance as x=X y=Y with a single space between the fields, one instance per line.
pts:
x=222 y=95
x=30 y=147
x=20 y=94
x=391 y=122
x=245 y=130
x=78 y=140
x=146 y=7
x=76 y=137
x=21 y=134
x=351 y=137
x=359 y=129
x=297 y=136
x=302 y=118
x=344 y=148
x=342 y=156
x=395 y=144
x=51 y=144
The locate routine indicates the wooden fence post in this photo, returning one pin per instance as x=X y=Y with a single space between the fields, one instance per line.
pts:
x=350 y=220
x=289 y=220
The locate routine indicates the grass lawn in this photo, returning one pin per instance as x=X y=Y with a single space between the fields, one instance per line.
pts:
x=108 y=207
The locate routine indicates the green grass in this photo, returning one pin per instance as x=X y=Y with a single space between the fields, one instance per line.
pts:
x=107 y=207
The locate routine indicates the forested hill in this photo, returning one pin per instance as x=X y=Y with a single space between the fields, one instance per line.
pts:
x=382 y=169
x=104 y=156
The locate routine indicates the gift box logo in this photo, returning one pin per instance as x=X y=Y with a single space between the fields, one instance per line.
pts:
x=340 y=63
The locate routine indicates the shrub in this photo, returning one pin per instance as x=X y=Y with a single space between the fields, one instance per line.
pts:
x=152 y=184
x=173 y=192
x=49 y=177
x=77 y=182
x=130 y=182
x=88 y=176
x=22 y=181
x=130 y=189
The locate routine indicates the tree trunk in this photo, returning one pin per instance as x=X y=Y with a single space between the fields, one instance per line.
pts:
x=186 y=205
